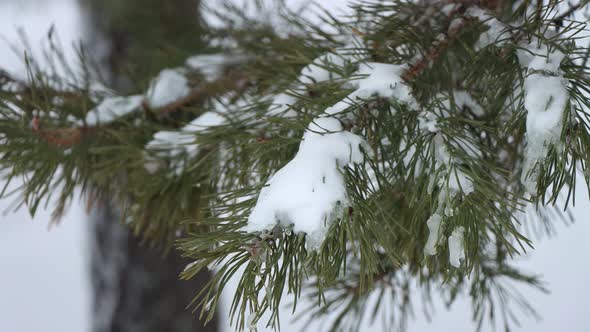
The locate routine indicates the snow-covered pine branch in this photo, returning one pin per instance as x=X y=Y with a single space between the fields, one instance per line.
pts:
x=399 y=144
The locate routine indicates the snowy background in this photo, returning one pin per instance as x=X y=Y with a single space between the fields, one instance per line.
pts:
x=43 y=272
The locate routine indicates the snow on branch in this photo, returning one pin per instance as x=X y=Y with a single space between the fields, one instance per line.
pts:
x=546 y=97
x=319 y=70
x=449 y=178
x=173 y=145
x=168 y=92
x=110 y=109
x=309 y=192
x=169 y=86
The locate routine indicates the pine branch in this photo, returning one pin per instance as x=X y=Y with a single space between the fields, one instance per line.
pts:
x=235 y=82
x=62 y=137
x=67 y=137
x=449 y=144
x=569 y=12
x=439 y=47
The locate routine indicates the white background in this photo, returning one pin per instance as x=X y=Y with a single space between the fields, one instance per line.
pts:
x=43 y=273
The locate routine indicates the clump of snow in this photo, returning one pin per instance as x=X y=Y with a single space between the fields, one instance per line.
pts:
x=456 y=247
x=448 y=8
x=207 y=120
x=51 y=115
x=321 y=68
x=429 y=121
x=460 y=182
x=495 y=28
x=377 y=79
x=545 y=100
x=170 y=86
x=456 y=23
x=281 y=105
x=172 y=144
x=212 y=65
x=463 y=99
x=309 y=192
x=98 y=91
x=433 y=224
x=383 y=80
x=112 y=108
x=539 y=57
x=451 y=180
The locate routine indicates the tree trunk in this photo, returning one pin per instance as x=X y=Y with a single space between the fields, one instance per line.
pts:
x=137 y=288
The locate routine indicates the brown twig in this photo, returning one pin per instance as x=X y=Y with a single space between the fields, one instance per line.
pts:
x=66 y=137
x=236 y=82
x=438 y=48
x=63 y=137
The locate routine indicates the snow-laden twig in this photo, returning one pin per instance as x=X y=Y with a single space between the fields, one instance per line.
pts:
x=309 y=192
x=546 y=97
x=450 y=180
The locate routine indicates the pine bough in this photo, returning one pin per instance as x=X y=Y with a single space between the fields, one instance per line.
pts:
x=400 y=156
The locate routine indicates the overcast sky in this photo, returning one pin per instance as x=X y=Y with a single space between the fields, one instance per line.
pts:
x=43 y=285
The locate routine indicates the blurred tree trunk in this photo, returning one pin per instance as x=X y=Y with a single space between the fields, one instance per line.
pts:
x=136 y=288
